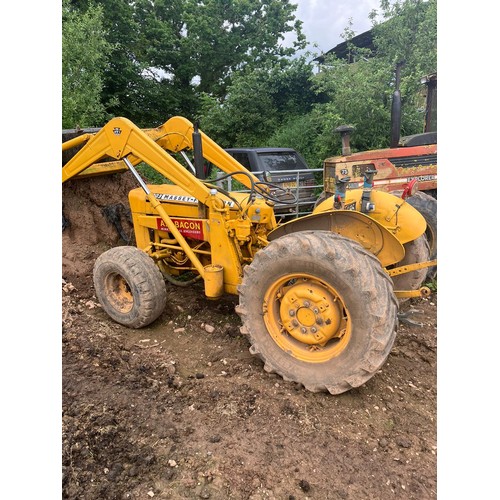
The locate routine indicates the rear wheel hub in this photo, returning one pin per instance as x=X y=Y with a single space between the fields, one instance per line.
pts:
x=310 y=313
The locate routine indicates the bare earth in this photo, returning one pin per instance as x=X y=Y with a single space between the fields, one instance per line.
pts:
x=182 y=410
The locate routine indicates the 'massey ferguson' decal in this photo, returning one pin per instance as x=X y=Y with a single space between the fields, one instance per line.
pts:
x=184 y=199
x=175 y=197
x=191 y=228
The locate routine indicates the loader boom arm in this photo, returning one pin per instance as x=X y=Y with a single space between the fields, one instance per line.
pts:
x=120 y=138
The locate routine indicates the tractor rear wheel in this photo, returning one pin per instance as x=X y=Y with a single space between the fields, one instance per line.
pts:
x=129 y=286
x=427 y=206
x=319 y=310
x=415 y=251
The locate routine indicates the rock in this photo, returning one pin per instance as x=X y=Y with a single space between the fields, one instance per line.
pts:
x=403 y=442
x=204 y=493
x=304 y=485
x=209 y=328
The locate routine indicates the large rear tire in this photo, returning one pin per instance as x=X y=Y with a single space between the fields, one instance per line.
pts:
x=129 y=286
x=319 y=310
x=427 y=206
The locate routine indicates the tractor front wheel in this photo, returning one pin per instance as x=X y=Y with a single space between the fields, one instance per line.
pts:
x=319 y=310
x=129 y=286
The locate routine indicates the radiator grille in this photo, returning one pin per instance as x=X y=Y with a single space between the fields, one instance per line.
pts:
x=415 y=161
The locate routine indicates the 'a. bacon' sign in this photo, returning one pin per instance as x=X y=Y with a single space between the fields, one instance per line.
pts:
x=192 y=228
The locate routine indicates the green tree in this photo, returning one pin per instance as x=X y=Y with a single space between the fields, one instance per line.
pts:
x=84 y=57
x=258 y=102
x=261 y=108
x=166 y=53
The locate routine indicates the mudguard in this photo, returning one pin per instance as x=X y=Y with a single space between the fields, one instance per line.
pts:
x=357 y=226
x=402 y=220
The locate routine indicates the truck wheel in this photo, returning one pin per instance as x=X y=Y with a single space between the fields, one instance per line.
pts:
x=319 y=310
x=129 y=286
x=415 y=251
x=427 y=206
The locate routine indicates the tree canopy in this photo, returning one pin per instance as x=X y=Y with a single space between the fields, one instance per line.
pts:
x=261 y=109
x=167 y=53
x=84 y=58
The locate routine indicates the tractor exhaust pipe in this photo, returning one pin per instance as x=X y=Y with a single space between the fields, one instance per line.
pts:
x=345 y=135
x=396 y=109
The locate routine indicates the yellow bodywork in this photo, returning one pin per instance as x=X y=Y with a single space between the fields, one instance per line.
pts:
x=191 y=226
x=395 y=214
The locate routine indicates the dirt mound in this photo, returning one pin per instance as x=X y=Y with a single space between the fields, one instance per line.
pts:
x=181 y=409
x=96 y=216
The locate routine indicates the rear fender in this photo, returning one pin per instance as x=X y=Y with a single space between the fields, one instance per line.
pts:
x=405 y=222
x=357 y=226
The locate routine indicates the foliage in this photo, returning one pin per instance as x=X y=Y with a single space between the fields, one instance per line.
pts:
x=432 y=285
x=360 y=93
x=222 y=63
x=258 y=102
x=84 y=56
x=166 y=53
x=286 y=105
x=409 y=35
x=151 y=175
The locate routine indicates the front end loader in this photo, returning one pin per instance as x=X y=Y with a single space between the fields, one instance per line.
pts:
x=318 y=296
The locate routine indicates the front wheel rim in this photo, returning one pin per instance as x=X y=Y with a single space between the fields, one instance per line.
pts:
x=306 y=318
x=119 y=293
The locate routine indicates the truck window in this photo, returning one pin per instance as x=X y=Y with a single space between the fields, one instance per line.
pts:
x=243 y=159
x=281 y=161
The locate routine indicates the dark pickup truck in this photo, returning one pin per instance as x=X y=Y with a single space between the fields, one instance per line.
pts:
x=285 y=168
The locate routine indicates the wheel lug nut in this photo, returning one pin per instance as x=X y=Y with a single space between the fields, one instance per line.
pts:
x=303 y=330
x=314 y=329
x=316 y=310
x=295 y=322
x=306 y=303
x=319 y=321
x=291 y=312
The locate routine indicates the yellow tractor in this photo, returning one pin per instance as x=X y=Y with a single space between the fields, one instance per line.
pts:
x=318 y=296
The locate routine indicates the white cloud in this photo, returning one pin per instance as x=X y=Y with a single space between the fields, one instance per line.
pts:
x=325 y=20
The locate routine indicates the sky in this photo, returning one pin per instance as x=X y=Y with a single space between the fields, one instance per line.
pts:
x=325 y=20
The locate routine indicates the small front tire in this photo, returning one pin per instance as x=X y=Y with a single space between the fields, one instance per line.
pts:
x=129 y=286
